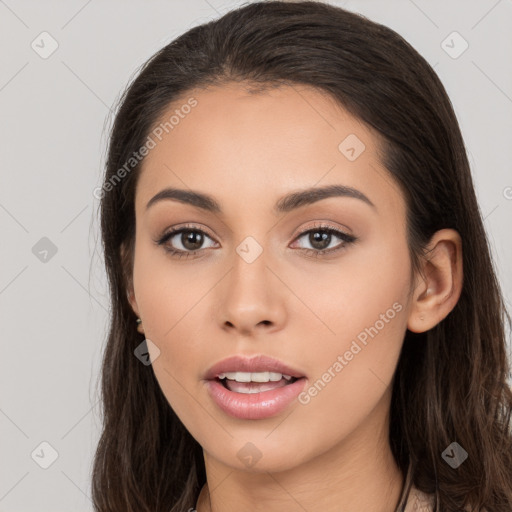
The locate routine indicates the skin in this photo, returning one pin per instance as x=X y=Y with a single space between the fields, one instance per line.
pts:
x=247 y=151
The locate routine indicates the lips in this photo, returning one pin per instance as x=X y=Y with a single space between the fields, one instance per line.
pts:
x=253 y=400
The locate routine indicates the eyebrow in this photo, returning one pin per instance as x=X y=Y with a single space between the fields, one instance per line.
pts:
x=287 y=203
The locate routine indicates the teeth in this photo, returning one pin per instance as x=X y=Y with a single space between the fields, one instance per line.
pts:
x=254 y=377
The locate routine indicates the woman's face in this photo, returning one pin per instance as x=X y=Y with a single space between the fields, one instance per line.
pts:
x=249 y=278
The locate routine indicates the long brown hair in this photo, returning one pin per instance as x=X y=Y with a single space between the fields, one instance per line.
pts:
x=450 y=384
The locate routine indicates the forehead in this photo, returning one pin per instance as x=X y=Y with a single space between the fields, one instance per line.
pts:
x=244 y=147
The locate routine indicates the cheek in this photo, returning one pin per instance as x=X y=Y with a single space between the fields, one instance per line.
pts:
x=346 y=296
x=173 y=325
x=352 y=370
x=170 y=304
x=166 y=291
x=362 y=304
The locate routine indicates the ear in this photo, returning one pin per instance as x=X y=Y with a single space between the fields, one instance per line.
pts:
x=439 y=286
x=129 y=280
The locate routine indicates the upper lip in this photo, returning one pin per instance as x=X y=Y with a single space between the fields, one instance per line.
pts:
x=259 y=363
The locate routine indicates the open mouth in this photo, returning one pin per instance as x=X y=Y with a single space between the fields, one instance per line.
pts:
x=254 y=395
x=257 y=382
x=253 y=388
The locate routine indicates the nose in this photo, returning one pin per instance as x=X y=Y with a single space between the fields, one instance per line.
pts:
x=252 y=298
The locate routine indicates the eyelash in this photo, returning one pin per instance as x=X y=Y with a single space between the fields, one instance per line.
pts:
x=347 y=239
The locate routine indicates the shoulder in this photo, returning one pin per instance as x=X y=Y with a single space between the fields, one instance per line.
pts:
x=419 y=501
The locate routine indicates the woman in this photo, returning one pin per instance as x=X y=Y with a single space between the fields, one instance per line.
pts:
x=305 y=314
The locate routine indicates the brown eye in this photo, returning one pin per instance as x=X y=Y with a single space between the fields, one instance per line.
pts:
x=320 y=239
x=184 y=242
x=191 y=240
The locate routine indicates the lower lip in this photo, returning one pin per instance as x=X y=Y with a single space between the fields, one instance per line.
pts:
x=254 y=406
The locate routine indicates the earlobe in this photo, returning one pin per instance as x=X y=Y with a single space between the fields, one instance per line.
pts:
x=133 y=303
x=130 y=294
x=439 y=287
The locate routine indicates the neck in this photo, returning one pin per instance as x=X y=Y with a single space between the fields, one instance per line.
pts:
x=359 y=473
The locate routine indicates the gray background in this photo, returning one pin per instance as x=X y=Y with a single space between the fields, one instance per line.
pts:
x=55 y=114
